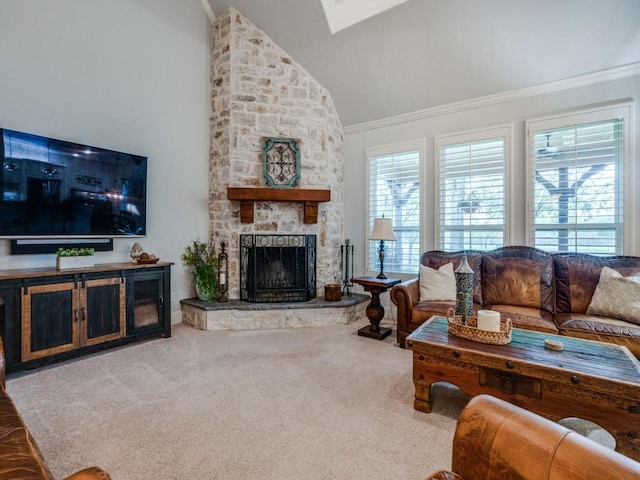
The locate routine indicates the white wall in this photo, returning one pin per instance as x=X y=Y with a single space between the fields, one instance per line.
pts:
x=514 y=108
x=128 y=75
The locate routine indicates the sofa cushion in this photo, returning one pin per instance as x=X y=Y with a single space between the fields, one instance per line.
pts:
x=616 y=296
x=577 y=276
x=437 y=283
x=437 y=258
x=527 y=318
x=518 y=276
x=601 y=329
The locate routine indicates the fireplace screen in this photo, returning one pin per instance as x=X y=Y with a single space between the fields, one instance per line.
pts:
x=277 y=268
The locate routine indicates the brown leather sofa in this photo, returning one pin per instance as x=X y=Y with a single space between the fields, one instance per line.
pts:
x=497 y=440
x=538 y=290
x=20 y=457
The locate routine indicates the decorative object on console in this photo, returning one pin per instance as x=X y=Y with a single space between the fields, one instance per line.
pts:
x=146 y=259
x=136 y=250
x=346 y=256
x=223 y=274
x=437 y=284
x=383 y=231
x=464 y=289
x=280 y=162
x=74 y=258
x=203 y=261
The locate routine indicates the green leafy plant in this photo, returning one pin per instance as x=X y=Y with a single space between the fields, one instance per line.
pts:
x=203 y=261
x=74 y=252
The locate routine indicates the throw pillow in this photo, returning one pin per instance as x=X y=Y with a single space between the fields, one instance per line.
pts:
x=437 y=284
x=616 y=296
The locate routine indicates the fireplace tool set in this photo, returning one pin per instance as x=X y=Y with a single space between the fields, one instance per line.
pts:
x=346 y=257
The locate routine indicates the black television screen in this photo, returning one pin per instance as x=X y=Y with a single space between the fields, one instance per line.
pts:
x=54 y=188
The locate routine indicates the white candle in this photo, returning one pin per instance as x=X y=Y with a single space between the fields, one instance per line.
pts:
x=489 y=320
x=223 y=279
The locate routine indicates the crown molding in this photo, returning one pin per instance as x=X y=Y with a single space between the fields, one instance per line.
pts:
x=609 y=74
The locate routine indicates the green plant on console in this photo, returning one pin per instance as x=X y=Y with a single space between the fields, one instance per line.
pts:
x=74 y=252
x=203 y=261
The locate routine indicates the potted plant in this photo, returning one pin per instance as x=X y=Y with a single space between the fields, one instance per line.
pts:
x=74 y=258
x=203 y=261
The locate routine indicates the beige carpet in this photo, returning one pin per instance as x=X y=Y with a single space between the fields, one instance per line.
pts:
x=303 y=403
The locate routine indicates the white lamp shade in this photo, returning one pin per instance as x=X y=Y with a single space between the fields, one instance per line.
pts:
x=382 y=230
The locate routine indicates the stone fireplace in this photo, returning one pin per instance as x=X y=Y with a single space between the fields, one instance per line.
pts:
x=258 y=92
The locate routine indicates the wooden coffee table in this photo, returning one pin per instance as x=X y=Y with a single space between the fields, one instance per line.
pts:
x=591 y=380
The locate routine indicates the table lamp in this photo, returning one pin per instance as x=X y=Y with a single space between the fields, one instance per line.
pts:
x=383 y=231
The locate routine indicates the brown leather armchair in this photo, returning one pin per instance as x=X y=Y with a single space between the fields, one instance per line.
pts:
x=20 y=457
x=497 y=440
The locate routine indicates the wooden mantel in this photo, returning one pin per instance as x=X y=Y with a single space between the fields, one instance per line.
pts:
x=247 y=197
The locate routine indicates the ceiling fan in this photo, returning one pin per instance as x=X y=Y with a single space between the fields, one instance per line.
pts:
x=549 y=151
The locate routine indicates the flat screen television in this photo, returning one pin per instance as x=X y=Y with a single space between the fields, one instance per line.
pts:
x=53 y=188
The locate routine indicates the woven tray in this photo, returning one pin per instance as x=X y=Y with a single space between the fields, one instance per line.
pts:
x=471 y=332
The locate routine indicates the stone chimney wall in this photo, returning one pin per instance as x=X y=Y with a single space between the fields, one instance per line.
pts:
x=259 y=91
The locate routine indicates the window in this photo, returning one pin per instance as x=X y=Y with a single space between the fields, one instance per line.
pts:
x=472 y=190
x=576 y=181
x=394 y=192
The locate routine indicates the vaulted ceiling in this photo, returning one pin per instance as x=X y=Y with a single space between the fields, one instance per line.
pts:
x=426 y=53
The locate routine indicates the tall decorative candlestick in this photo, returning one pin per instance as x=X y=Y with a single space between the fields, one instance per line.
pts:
x=223 y=275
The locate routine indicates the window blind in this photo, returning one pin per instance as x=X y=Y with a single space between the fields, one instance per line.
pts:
x=577 y=187
x=472 y=210
x=394 y=192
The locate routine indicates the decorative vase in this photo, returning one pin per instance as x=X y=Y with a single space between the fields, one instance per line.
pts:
x=205 y=289
x=464 y=290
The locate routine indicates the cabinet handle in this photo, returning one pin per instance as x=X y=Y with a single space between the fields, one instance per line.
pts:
x=75 y=314
x=84 y=314
x=161 y=300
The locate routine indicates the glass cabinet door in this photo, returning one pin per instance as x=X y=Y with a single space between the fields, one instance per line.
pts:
x=146 y=302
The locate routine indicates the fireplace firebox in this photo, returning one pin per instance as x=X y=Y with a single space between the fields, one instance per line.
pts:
x=277 y=268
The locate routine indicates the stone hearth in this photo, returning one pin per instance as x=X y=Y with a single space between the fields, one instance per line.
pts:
x=238 y=315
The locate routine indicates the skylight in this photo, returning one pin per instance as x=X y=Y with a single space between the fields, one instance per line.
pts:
x=342 y=14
